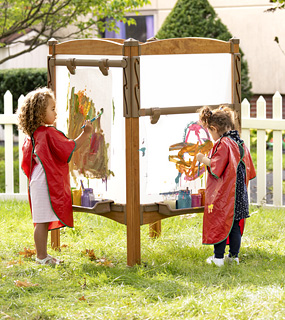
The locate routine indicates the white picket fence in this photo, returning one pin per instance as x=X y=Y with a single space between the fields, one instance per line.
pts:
x=260 y=123
x=8 y=119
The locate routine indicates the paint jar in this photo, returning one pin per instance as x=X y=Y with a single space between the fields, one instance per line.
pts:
x=202 y=193
x=184 y=199
x=76 y=197
x=196 y=200
x=92 y=198
x=170 y=199
x=85 y=197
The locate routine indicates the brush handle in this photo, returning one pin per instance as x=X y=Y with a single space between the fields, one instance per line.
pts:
x=98 y=116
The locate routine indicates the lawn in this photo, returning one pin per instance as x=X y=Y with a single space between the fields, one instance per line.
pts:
x=173 y=282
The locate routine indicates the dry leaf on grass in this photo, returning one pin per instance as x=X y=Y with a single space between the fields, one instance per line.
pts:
x=82 y=298
x=19 y=283
x=90 y=254
x=100 y=262
x=28 y=253
x=5 y=315
x=105 y=262
x=13 y=262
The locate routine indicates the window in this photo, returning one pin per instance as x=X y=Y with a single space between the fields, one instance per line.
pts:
x=143 y=30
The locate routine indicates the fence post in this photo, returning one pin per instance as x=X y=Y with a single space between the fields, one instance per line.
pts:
x=261 y=152
x=9 y=173
x=23 y=186
x=245 y=133
x=277 y=153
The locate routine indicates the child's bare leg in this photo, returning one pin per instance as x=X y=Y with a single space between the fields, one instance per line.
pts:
x=40 y=237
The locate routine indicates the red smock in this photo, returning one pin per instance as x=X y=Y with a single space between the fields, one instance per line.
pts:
x=54 y=150
x=220 y=193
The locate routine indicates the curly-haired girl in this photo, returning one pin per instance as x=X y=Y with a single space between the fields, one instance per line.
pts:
x=230 y=168
x=46 y=153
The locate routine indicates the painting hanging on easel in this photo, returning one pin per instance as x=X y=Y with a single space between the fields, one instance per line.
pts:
x=89 y=97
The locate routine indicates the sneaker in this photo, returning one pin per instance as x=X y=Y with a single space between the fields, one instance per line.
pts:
x=231 y=259
x=216 y=261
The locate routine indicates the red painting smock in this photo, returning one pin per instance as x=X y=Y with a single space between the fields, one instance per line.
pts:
x=54 y=150
x=221 y=188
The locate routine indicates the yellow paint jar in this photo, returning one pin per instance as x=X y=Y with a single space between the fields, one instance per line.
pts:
x=76 y=196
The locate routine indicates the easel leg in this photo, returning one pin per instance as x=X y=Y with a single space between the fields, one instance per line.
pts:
x=133 y=192
x=155 y=229
x=55 y=239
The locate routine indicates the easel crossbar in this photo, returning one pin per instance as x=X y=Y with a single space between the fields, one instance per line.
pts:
x=91 y=62
x=177 y=110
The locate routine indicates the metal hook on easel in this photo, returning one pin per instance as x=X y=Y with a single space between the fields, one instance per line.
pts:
x=155 y=115
x=71 y=65
x=103 y=66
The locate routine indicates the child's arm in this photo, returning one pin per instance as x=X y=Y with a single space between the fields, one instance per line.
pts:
x=84 y=134
x=201 y=158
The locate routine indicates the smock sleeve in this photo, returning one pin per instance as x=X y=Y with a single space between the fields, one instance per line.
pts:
x=250 y=170
x=219 y=159
x=60 y=145
x=27 y=150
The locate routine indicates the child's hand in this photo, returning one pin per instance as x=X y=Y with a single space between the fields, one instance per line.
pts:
x=203 y=159
x=88 y=127
x=199 y=157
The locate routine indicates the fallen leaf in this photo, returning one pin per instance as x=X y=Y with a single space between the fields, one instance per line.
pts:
x=105 y=262
x=82 y=298
x=90 y=254
x=28 y=253
x=19 y=283
x=5 y=316
x=13 y=262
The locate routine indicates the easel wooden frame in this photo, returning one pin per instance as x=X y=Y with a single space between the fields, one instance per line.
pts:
x=133 y=214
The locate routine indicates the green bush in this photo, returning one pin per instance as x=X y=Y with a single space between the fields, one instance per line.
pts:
x=20 y=81
x=197 y=18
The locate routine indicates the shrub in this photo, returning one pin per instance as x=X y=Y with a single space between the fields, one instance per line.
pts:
x=20 y=81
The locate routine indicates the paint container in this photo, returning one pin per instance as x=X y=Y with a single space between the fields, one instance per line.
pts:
x=76 y=197
x=171 y=203
x=202 y=193
x=184 y=199
x=170 y=199
x=196 y=200
x=92 y=198
x=85 y=197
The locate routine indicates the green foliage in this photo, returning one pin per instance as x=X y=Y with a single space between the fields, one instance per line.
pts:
x=197 y=18
x=50 y=19
x=279 y=4
x=173 y=282
x=20 y=81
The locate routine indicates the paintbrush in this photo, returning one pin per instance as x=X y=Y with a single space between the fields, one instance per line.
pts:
x=98 y=116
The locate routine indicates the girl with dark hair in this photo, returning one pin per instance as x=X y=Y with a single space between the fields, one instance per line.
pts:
x=230 y=168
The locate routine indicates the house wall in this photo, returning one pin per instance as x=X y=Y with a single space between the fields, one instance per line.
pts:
x=34 y=59
x=256 y=29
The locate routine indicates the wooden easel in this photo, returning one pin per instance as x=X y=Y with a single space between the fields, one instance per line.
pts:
x=133 y=214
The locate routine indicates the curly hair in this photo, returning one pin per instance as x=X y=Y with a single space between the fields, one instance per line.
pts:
x=33 y=110
x=223 y=118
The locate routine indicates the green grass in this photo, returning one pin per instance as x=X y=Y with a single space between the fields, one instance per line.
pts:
x=173 y=282
x=16 y=169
